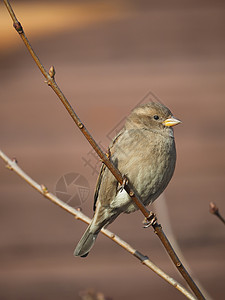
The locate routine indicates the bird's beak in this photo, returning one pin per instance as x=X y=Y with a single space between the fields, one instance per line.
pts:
x=171 y=122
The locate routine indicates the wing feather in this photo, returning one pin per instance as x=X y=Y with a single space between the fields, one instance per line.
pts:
x=102 y=170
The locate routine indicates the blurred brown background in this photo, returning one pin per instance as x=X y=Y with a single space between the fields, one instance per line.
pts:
x=108 y=55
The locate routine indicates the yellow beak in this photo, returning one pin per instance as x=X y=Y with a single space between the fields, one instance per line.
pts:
x=171 y=122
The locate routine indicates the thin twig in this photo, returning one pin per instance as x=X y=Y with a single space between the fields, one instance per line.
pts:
x=149 y=216
x=42 y=189
x=163 y=214
x=215 y=211
x=50 y=80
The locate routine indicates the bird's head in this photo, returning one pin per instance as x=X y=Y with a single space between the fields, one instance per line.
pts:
x=153 y=116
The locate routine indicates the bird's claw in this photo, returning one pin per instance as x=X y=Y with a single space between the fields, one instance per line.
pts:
x=150 y=220
x=108 y=153
x=125 y=182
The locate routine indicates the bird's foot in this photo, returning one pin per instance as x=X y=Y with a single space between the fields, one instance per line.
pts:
x=125 y=182
x=150 y=220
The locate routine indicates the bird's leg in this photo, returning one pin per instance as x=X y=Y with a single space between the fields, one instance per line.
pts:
x=150 y=220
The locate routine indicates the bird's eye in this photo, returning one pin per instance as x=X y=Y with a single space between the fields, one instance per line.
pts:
x=156 y=117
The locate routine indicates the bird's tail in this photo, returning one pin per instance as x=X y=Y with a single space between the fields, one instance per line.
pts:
x=86 y=242
x=88 y=239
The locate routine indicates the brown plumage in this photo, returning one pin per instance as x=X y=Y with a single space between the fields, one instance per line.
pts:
x=144 y=151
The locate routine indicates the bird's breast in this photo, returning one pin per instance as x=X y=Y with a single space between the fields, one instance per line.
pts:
x=149 y=166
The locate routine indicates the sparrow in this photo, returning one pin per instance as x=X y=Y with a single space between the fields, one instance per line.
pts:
x=144 y=152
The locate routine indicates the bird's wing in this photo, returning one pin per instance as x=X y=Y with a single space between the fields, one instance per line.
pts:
x=102 y=170
x=99 y=180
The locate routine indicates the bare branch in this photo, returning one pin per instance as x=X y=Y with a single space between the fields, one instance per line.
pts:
x=215 y=211
x=149 y=216
x=12 y=165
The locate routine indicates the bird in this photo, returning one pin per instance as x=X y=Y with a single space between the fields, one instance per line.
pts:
x=145 y=154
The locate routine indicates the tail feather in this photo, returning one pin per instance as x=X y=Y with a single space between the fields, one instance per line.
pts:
x=86 y=243
x=99 y=220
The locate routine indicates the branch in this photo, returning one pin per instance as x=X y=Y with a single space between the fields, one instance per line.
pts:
x=12 y=165
x=213 y=209
x=150 y=217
